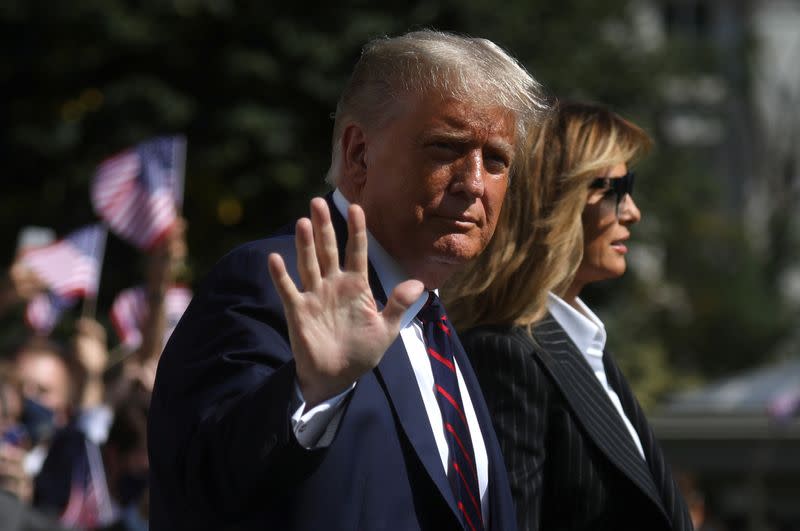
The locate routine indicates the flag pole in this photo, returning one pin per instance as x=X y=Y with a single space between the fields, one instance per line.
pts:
x=89 y=308
x=179 y=154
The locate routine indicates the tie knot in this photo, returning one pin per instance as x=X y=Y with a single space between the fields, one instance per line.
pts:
x=433 y=310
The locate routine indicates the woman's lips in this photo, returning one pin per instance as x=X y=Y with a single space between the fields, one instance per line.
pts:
x=619 y=246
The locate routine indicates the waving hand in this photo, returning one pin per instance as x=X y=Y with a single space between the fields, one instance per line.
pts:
x=335 y=329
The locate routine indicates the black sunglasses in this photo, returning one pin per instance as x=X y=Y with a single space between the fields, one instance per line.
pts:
x=619 y=186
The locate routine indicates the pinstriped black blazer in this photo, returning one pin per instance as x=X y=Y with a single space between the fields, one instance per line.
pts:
x=571 y=461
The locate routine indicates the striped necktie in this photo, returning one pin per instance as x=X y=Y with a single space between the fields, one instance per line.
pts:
x=461 y=470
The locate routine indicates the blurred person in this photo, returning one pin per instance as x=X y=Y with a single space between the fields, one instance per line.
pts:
x=273 y=395
x=80 y=484
x=164 y=265
x=17 y=285
x=49 y=384
x=20 y=284
x=50 y=377
x=14 y=437
x=95 y=412
x=702 y=519
x=64 y=388
x=126 y=468
x=90 y=347
x=16 y=485
x=70 y=485
x=579 y=451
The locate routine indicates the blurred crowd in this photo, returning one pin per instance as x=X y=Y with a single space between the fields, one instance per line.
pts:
x=73 y=414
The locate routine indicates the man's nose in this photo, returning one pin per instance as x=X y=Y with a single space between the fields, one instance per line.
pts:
x=471 y=174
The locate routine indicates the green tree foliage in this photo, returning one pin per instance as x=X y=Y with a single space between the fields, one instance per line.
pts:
x=253 y=86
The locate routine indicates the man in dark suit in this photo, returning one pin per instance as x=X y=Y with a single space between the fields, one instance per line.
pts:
x=310 y=401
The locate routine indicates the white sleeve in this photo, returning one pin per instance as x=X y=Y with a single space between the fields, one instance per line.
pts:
x=316 y=427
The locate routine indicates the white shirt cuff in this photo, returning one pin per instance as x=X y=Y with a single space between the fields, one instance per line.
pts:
x=316 y=427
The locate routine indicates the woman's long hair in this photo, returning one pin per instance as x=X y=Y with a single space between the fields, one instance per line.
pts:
x=538 y=244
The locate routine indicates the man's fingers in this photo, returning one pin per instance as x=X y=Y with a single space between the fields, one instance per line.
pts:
x=324 y=236
x=403 y=296
x=283 y=282
x=356 y=252
x=307 y=264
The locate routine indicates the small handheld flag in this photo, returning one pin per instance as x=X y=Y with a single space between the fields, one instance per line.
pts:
x=139 y=191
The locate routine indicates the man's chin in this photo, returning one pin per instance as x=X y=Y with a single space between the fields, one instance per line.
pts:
x=456 y=249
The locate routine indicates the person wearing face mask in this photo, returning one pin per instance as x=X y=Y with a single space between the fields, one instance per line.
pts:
x=50 y=387
x=66 y=463
x=16 y=485
x=48 y=378
x=579 y=451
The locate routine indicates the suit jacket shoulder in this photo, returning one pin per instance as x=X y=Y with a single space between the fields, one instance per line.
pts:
x=223 y=382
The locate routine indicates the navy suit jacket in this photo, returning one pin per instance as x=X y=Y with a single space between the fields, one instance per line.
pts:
x=222 y=451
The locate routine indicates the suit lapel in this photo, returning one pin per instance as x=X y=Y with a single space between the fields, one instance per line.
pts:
x=398 y=380
x=497 y=476
x=660 y=471
x=591 y=405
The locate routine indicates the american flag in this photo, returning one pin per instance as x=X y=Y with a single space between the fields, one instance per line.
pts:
x=70 y=267
x=44 y=311
x=129 y=311
x=89 y=503
x=139 y=192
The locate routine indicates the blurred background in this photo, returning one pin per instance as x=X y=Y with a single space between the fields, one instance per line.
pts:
x=704 y=324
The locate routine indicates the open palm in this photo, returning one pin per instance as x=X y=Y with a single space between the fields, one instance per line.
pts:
x=335 y=329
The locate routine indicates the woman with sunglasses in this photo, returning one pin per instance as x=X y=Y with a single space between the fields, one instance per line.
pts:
x=579 y=451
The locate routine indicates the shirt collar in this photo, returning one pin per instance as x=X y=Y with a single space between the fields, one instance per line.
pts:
x=389 y=272
x=584 y=327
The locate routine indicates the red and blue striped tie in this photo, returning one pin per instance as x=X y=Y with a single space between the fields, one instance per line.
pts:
x=461 y=470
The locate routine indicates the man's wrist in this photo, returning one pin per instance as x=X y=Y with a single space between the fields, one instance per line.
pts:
x=313 y=395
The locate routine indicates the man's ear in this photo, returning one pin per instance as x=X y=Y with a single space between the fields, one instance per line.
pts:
x=354 y=155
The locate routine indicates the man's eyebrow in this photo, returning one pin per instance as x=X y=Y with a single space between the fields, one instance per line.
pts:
x=448 y=134
x=502 y=144
x=465 y=136
x=506 y=148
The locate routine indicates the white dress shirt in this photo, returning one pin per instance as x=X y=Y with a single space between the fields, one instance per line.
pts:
x=316 y=427
x=586 y=330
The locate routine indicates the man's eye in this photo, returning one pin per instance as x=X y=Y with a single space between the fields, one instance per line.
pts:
x=496 y=164
x=444 y=146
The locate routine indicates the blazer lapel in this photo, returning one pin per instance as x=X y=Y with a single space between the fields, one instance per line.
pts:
x=659 y=469
x=400 y=384
x=592 y=407
x=398 y=380
x=498 y=489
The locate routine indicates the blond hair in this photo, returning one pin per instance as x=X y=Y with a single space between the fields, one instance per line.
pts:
x=538 y=244
x=427 y=62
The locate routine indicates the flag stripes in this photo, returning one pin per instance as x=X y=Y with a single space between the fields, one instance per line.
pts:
x=138 y=192
x=130 y=311
x=70 y=267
